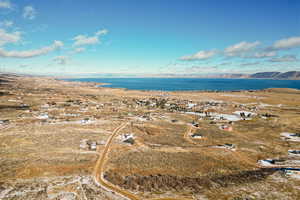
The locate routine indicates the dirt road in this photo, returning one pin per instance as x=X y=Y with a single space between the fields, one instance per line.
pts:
x=100 y=164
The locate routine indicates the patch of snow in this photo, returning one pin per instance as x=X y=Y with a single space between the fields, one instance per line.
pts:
x=126 y=136
x=43 y=116
x=227 y=117
x=262 y=105
x=86 y=121
x=266 y=162
x=294 y=137
x=226 y=146
x=197 y=136
x=191 y=105
x=71 y=115
x=195 y=113
x=247 y=113
x=294 y=152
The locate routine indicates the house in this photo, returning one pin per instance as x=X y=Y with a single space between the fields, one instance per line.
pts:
x=127 y=138
x=226 y=128
x=93 y=146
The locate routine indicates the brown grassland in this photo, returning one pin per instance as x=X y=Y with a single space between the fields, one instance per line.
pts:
x=41 y=157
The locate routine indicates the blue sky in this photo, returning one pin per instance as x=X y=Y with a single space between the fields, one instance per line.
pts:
x=149 y=37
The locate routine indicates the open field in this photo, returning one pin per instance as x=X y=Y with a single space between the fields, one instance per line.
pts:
x=173 y=145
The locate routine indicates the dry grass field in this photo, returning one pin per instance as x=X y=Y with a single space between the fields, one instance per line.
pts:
x=49 y=129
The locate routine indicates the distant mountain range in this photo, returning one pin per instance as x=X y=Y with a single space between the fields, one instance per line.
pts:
x=292 y=75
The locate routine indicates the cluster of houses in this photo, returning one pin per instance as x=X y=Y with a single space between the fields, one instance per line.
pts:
x=176 y=105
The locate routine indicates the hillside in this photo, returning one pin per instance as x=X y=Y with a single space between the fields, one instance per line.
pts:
x=291 y=75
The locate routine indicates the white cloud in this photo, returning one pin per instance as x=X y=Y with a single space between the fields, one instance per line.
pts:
x=31 y=53
x=29 y=12
x=264 y=54
x=201 y=69
x=6 y=37
x=6 y=23
x=249 y=64
x=241 y=48
x=81 y=40
x=5 y=4
x=285 y=58
x=286 y=43
x=201 y=55
x=102 y=32
x=79 y=50
x=62 y=60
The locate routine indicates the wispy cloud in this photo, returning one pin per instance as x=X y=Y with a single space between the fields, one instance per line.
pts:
x=201 y=55
x=285 y=58
x=201 y=69
x=31 y=53
x=6 y=23
x=249 y=50
x=79 y=50
x=249 y=64
x=62 y=60
x=287 y=43
x=5 y=4
x=241 y=49
x=29 y=12
x=81 y=40
x=6 y=37
x=263 y=54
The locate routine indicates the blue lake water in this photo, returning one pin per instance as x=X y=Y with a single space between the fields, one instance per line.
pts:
x=177 y=84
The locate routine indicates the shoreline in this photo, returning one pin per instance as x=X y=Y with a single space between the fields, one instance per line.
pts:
x=106 y=85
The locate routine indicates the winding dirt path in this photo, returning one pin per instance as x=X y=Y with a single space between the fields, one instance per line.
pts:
x=99 y=168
